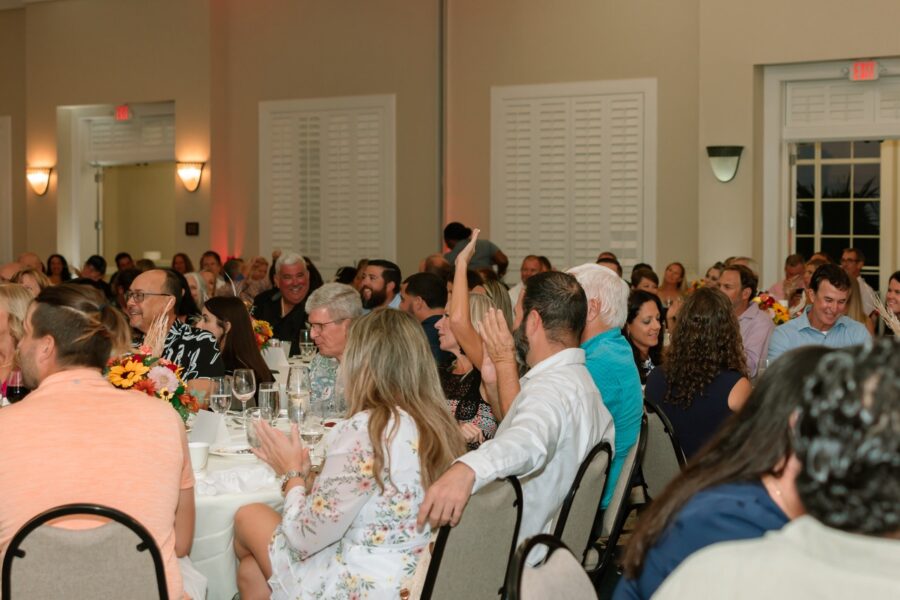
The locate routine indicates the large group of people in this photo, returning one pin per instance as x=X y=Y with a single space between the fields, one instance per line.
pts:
x=449 y=379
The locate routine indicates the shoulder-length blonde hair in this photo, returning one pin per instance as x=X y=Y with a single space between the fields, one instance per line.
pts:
x=388 y=367
x=14 y=299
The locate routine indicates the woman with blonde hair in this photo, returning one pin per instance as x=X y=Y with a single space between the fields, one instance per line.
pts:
x=855 y=307
x=499 y=295
x=352 y=530
x=33 y=280
x=14 y=301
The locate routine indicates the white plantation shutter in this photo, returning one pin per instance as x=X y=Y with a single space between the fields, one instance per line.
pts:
x=835 y=109
x=143 y=138
x=327 y=179
x=573 y=171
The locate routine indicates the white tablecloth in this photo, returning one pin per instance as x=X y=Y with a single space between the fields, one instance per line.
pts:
x=213 y=549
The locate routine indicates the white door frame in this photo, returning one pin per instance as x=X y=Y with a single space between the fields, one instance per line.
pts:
x=776 y=209
x=6 y=213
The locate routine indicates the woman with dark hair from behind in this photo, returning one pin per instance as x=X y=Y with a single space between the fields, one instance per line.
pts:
x=739 y=486
x=227 y=318
x=315 y=278
x=703 y=378
x=644 y=331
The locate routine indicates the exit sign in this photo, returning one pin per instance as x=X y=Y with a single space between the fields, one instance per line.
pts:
x=123 y=113
x=864 y=70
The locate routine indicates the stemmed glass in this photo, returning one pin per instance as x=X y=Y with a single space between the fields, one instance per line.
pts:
x=243 y=383
x=298 y=391
x=312 y=427
x=220 y=395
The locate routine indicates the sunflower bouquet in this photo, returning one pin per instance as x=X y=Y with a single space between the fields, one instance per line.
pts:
x=776 y=310
x=262 y=331
x=155 y=377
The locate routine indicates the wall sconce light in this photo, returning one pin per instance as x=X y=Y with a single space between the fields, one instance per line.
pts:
x=189 y=173
x=39 y=179
x=724 y=161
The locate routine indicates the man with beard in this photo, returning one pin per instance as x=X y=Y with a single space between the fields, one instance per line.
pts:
x=283 y=307
x=380 y=285
x=556 y=416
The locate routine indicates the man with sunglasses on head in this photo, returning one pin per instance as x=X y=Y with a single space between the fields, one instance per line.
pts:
x=158 y=292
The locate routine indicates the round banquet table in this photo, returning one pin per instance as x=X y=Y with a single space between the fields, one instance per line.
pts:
x=213 y=549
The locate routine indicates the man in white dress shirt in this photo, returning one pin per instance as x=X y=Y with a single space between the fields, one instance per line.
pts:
x=555 y=415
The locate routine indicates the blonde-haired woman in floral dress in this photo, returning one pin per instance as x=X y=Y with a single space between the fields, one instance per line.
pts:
x=351 y=531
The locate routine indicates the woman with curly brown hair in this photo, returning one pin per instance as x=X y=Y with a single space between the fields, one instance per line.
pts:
x=703 y=378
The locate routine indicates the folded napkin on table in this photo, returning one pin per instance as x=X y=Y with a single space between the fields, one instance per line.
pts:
x=236 y=480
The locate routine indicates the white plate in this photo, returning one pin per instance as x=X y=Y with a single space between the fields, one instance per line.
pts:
x=234 y=451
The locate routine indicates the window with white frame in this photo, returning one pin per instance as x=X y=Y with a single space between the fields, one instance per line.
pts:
x=573 y=171
x=327 y=179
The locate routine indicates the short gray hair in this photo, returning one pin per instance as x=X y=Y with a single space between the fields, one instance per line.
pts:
x=288 y=258
x=605 y=285
x=341 y=301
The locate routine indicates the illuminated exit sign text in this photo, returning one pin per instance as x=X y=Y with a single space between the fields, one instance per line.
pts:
x=864 y=70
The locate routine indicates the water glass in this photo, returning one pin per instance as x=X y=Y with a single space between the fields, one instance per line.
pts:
x=220 y=395
x=307 y=351
x=243 y=384
x=252 y=417
x=298 y=390
x=312 y=427
x=267 y=401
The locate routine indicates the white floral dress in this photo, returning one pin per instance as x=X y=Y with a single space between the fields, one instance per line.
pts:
x=346 y=538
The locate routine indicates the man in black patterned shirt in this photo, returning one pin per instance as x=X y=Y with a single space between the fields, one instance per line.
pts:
x=157 y=292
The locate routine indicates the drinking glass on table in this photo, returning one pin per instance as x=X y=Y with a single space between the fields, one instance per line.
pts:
x=307 y=351
x=267 y=400
x=220 y=395
x=298 y=391
x=252 y=417
x=243 y=384
x=312 y=427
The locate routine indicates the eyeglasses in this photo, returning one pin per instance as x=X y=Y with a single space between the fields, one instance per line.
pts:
x=139 y=296
x=318 y=327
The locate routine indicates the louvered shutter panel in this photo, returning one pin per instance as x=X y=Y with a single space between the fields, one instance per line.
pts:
x=150 y=138
x=326 y=179
x=568 y=171
x=819 y=110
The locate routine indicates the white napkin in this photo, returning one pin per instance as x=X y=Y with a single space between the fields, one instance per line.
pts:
x=209 y=428
x=236 y=480
x=275 y=359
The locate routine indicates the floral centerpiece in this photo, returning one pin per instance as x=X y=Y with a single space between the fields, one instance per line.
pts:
x=696 y=285
x=155 y=377
x=262 y=331
x=776 y=310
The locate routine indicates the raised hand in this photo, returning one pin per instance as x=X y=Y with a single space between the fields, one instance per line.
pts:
x=465 y=256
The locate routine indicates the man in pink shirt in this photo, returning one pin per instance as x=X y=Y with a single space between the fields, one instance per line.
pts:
x=76 y=438
x=739 y=284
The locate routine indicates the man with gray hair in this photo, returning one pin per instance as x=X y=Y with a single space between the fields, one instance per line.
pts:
x=331 y=309
x=608 y=359
x=283 y=305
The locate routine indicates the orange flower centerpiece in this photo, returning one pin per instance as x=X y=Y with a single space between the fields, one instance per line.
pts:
x=776 y=310
x=262 y=331
x=155 y=377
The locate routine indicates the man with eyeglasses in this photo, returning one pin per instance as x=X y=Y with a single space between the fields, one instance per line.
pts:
x=157 y=293
x=852 y=262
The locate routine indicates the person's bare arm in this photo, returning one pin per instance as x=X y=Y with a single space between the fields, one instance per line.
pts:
x=460 y=320
x=184 y=522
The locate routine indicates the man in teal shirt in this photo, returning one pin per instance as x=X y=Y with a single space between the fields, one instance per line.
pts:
x=610 y=361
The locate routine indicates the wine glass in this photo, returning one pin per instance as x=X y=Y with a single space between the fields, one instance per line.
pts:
x=298 y=391
x=312 y=427
x=243 y=383
x=15 y=387
x=267 y=400
x=220 y=395
x=307 y=351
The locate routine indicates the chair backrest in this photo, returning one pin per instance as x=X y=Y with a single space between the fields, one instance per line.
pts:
x=664 y=458
x=618 y=504
x=582 y=504
x=471 y=560
x=560 y=575
x=117 y=559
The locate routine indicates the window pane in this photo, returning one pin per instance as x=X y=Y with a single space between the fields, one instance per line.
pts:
x=835 y=218
x=806 y=218
x=836 y=150
x=867 y=149
x=806 y=181
x=835 y=181
x=866 y=181
x=806 y=246
x=866 y=217
x=834 y=247
x=806 y=151
x=870 y=248
x=872 y=280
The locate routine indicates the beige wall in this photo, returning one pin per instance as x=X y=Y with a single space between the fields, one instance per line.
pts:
x=12 y=104
x=513 y=42
x=315 y=49
x=110 y=52
x=127 y=227
x=736 y=38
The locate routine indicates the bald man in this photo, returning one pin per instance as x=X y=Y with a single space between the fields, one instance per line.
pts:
x=9 y=269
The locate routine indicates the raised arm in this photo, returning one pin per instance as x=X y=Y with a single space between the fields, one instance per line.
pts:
x=460 y=320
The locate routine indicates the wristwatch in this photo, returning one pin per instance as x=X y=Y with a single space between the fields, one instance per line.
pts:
x=287 y=477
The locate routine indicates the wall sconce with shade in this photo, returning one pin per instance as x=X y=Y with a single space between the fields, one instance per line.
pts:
x=39 y=179
x=190 y=173
x=724 y=161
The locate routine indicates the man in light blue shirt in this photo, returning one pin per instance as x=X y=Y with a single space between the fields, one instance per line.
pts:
x=609 y=359
x=824 y=322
